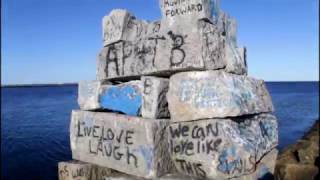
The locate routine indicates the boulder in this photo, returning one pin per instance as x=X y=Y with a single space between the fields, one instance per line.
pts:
x=222 y=148
x=300 y=160
x=127 y=144
x=296 y=171
x=215 y=94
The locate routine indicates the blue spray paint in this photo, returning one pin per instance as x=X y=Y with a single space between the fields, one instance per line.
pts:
x=147 y=153
x=228 y=160
x=126 y=99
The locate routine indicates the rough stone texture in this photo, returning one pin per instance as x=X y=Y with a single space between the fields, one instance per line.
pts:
x=146 y=97
x=297 y=172
x=88 y=95
x=300 y=160
x=100 y=173
x=74 y=170
x=154 y=101
x=77 y=170
x=183 y=16
x=264 y=168
x=215 y=94
x=222 y=148
x=121 y=176
x=128 y=144
x=163 y=47
x=162 y=54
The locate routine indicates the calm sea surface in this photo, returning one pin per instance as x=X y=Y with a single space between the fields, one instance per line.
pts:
x=35 y=124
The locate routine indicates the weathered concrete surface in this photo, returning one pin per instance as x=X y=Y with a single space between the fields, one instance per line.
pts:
x=154 y=101
x=215 y=94
x=121 y=176
x=264 y=168
x=75 y=170
x=164 y=47
x=182 y=16
x=146 y=97
x=222 y=148
x=128 y=144
x=88 y=95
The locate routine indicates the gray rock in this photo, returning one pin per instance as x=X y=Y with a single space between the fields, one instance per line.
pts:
x=125 y=97
x=215 y=94
x=74 y=170
x=114 y=24
x=154 y=101
x=264 y=169
x=120 y=25
x=77 y=170
x=187 y=38
x=121 y=176
x=163 y=53
x=88 y=94
x=146 y=97
x=127 y=144
x=222 y=148
x=184 y=15
x=236 y=61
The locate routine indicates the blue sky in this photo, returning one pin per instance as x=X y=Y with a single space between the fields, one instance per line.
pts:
x=58 y=41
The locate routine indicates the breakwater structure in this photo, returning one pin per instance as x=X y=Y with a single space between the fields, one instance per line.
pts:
x=172 y=100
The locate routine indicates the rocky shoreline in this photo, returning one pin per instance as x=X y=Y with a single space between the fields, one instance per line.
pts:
x=300 y=160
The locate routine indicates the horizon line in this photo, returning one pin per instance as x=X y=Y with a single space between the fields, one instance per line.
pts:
x=76 y=83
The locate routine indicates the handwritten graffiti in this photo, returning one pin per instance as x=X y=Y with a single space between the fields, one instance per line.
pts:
x=74 y=172
x=177 y=7
x=198 y=139
x=193 y=169
x=112 y=29
x=101 y=136
x=231 y=163
x=113 y=57
x=177 y=53
x=213 y=43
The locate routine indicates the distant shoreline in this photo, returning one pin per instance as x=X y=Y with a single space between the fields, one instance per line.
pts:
x=75 y=84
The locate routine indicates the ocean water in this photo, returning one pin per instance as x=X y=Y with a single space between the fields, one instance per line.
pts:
x=35 y=124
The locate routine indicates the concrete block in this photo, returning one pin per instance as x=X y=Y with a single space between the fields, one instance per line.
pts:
x=114 y=25
x=163 y=53
x=146 y=97
x=88 y=93
x=184 y=15
x=154 y=101
x=236 y=60
x=125 y=97
x=222 y=148
x=215 y=94
x=75 y=170
x=127 y=144
x=121 y=176
x=121 y=25
x=264 y=168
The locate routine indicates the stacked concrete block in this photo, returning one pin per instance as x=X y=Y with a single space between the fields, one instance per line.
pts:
x=172 y=100
x=145 y=97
